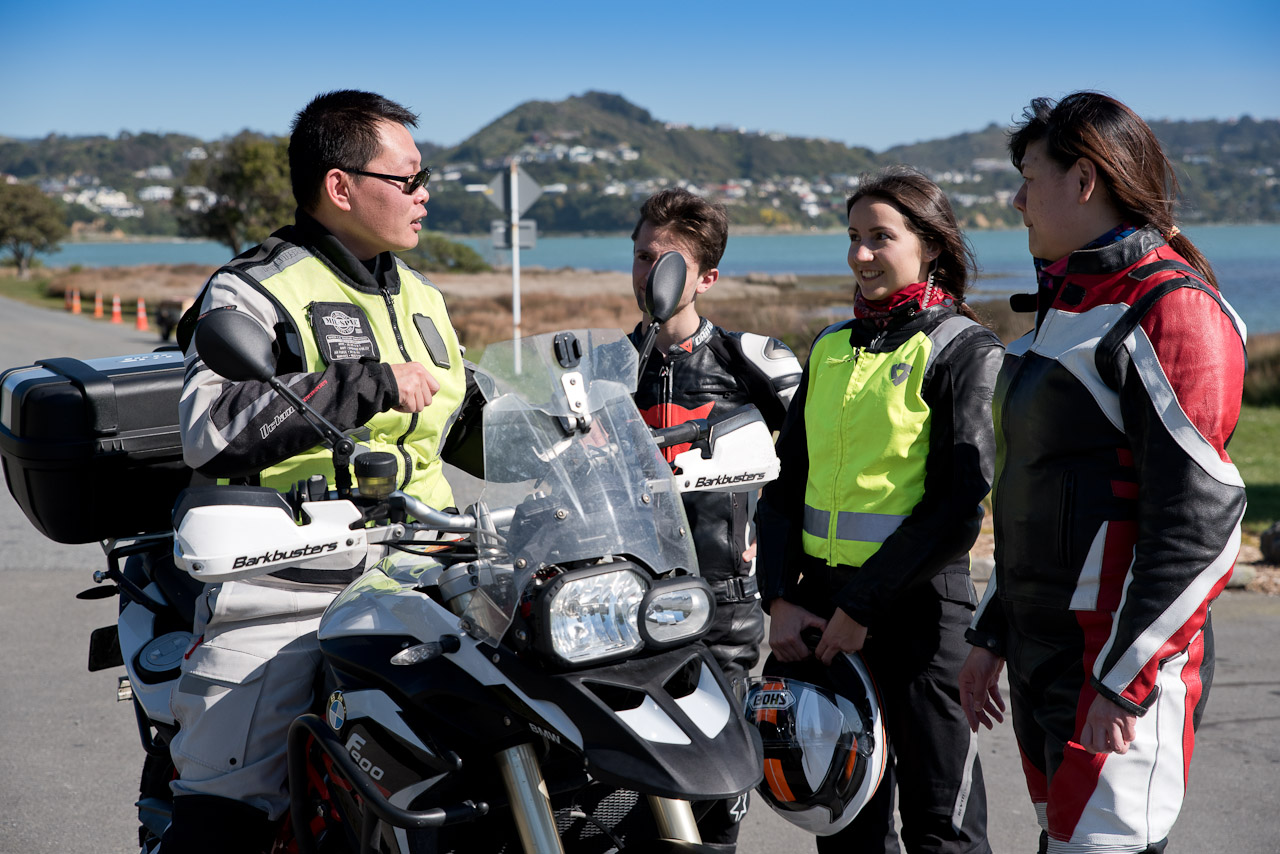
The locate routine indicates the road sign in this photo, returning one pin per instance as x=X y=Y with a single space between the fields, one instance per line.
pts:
x=527 y=191
x=500 y=231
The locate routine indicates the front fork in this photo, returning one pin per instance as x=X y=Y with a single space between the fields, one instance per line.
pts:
x=675 y=819
x=531 y=805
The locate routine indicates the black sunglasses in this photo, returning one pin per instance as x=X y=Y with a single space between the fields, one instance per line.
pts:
x=411 y=182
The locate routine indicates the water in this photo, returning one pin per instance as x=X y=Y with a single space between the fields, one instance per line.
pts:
x=1245 y=257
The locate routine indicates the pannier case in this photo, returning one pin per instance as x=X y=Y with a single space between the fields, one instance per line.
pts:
x=91 y=449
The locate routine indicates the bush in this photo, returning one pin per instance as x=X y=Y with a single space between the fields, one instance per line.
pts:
x=437 y=254
x=1262 y=381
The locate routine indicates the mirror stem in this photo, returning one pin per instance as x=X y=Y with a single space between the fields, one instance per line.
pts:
x=646 y=347
x=341 y=445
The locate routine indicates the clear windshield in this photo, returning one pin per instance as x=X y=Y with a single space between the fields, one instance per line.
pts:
x=566 y=447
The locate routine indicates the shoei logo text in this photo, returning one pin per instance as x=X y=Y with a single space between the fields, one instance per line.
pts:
x=277 y=556
x=344 y=323
x=724 y=479
x=773 y=700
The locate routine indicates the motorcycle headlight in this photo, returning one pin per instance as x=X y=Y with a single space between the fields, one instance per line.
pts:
x=676 y=611
x=593 y=615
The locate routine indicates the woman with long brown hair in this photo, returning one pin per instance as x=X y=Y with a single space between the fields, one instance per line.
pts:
x=1117 y=508
x=887 y=453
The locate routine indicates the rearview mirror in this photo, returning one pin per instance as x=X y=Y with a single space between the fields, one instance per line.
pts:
x=665 y=286
x=234 y=346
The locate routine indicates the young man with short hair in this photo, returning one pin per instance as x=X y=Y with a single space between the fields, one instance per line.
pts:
x=699 y=370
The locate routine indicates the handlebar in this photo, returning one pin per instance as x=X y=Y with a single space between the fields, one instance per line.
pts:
x=680 y=434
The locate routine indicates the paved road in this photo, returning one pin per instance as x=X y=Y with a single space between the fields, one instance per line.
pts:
x=69 y=758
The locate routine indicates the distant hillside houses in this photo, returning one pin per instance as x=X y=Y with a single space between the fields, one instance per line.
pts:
x=554 y=151
x=104 y=200
x=155 y=193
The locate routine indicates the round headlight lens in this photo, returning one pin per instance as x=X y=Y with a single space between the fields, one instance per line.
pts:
x=596 y=616
x=677 y=614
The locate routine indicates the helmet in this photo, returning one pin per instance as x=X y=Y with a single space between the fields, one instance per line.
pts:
x=824 y=748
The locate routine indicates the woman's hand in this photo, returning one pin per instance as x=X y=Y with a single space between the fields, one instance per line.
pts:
x=843 y=634
x=1107 y=727
x=786 y=621
x=980 y=688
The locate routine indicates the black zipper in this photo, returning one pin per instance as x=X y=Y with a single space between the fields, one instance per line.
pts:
x=1066 y=519
x=413 y=419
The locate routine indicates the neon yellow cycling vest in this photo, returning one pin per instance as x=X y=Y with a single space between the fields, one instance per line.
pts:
x=414 y=439
x=867 y=428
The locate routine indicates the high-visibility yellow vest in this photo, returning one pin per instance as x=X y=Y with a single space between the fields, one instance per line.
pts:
x=867 y=428
x=415 y=439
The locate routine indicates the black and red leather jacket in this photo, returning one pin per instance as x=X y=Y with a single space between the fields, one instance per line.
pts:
x=1115 y=497
x=710 y=374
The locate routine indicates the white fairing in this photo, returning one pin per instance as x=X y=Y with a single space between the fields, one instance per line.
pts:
x=706 y=706
x=741 y=459
x=225 y=542
x=136 y=628
x=388 y=604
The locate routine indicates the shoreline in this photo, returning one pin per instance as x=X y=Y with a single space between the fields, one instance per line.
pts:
x=734 y=231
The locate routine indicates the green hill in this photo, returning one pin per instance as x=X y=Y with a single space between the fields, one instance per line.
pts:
x=597 y=155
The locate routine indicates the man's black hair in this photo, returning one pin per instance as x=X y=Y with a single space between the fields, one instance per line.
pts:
x=337 y=130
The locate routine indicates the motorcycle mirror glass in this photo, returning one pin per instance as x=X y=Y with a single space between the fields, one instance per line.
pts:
x=234 y=346
x=665 y=286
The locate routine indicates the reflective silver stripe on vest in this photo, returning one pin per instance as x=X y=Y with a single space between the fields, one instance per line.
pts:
x=816 y=522
x=866 y=527
x=858 y=527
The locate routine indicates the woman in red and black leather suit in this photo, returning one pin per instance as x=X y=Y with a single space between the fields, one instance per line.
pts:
x=1117 y=508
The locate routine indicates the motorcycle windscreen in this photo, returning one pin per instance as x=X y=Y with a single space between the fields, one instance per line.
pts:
x=579 y=493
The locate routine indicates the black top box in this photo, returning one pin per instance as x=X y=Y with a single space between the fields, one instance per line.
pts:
x=91 y=449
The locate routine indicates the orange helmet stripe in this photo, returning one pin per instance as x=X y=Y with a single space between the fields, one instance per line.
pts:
x=852 y=762
x=777 y=781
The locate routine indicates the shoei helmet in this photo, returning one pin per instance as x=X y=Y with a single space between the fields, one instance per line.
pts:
x=824 y=749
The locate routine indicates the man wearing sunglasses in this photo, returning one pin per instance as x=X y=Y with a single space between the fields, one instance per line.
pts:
x=366 y=341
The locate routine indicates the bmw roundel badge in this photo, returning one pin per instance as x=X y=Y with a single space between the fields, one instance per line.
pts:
x=337 y=713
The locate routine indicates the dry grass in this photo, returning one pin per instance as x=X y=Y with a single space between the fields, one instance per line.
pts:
x=152 y=282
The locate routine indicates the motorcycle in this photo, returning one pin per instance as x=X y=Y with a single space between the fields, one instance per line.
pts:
x=532 y=660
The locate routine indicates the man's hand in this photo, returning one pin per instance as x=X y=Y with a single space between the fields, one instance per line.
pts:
x=1107 y=728
x=980 y=688
x=416 y=386
x=843 y=634
x=786 y=621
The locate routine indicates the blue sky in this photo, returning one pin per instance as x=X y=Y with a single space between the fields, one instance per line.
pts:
x=873 y=74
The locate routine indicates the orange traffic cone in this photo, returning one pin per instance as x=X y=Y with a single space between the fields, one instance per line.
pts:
x=97 y=304
x=141 y=323
x=75 y=300
x=116 y=316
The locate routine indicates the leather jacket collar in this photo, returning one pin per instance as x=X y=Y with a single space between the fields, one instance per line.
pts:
x=1111 y=258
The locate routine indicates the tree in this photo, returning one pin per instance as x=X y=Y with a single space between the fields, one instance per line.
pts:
x=30 y=222
x=437 y=254
x=251 y=180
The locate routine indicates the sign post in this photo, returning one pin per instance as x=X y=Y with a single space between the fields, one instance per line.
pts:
x=514 y=193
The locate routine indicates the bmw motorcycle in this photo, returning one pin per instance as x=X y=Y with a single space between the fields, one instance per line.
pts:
x=522 y=675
